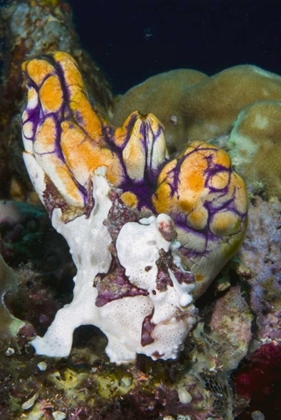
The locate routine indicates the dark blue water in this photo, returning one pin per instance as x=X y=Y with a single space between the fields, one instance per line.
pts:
x=134 y=39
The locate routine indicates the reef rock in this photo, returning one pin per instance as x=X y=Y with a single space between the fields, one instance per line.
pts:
x=261 y=254
x=9 y=325
x=255 y=144
x=205 y=110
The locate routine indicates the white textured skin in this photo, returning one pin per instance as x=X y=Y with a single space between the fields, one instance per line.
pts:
x=121 y=320
x=138 y=247
x=36 y=174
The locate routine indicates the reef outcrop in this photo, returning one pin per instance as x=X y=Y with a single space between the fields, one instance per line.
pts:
x=190 y=215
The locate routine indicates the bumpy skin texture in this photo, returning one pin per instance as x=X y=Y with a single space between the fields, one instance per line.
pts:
x=73 y=157
x=207 y=202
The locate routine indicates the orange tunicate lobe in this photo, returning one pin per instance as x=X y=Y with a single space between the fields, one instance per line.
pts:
x=45 y=137
x=75 y=146
x=51 y=103
x=200 y=175
x=37 y=70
